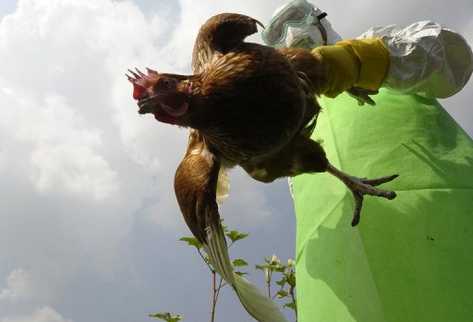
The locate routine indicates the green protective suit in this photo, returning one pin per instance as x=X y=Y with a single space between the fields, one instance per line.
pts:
x=410 y=259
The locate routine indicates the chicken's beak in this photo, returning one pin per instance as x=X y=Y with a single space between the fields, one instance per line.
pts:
x=146 y=104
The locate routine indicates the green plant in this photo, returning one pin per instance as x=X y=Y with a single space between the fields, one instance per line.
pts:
x=286 y=281
x=166 y=316
x=272 y=268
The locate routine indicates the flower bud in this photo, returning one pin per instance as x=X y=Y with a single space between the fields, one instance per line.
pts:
x=290 y=263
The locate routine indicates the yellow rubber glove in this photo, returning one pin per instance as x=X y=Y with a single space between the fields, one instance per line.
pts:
x=360 y=63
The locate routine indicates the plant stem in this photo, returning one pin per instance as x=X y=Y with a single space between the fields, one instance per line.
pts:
x=220 y=285
x=268 y=283
x=214 y=296
x=291 y=291
x=205 y=261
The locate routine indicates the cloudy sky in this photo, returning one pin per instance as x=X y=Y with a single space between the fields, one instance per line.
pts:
x=89 y=223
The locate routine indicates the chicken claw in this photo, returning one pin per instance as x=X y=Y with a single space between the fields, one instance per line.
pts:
x=362 y=186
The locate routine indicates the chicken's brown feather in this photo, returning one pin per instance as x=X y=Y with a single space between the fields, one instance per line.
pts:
x=310 y=63
x=195 y=185
x=219 y=35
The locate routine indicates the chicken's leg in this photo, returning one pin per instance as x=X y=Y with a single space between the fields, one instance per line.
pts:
x=360 y=187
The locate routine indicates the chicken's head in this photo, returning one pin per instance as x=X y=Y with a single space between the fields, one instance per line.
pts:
x=164 y=95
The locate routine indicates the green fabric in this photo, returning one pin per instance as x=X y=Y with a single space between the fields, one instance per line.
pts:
x=410 y=259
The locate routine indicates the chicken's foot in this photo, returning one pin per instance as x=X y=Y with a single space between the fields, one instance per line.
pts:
x=362 y=186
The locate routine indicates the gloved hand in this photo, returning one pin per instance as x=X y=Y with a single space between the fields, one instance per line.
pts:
x=357 y=66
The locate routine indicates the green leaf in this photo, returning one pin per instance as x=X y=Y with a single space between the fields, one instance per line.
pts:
x=282 y=294
x=192 y=241
x=282 y=281
x=291 y=279
x=241 y=273
x=262 y=267
x=291 y=305
x=235 y=235
x=239 y=262
x=278 y=268
x=166 y=316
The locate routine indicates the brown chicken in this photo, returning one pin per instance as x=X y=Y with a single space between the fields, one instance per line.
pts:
x=247 y=105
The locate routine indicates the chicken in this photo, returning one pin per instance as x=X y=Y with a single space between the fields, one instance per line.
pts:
x=248 y=105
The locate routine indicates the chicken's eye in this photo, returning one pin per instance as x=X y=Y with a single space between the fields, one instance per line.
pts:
x=166 y=84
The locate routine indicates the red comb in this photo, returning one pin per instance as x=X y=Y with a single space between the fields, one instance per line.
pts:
x=141 y=81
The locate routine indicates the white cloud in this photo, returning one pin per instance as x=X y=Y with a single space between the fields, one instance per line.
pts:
x=18 y=286
x=45 y=314
x=71 y=178
x=64 y=150
x=76 y=168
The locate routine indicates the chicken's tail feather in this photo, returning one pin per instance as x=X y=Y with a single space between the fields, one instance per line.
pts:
x=259 y=306
x=223 y=185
